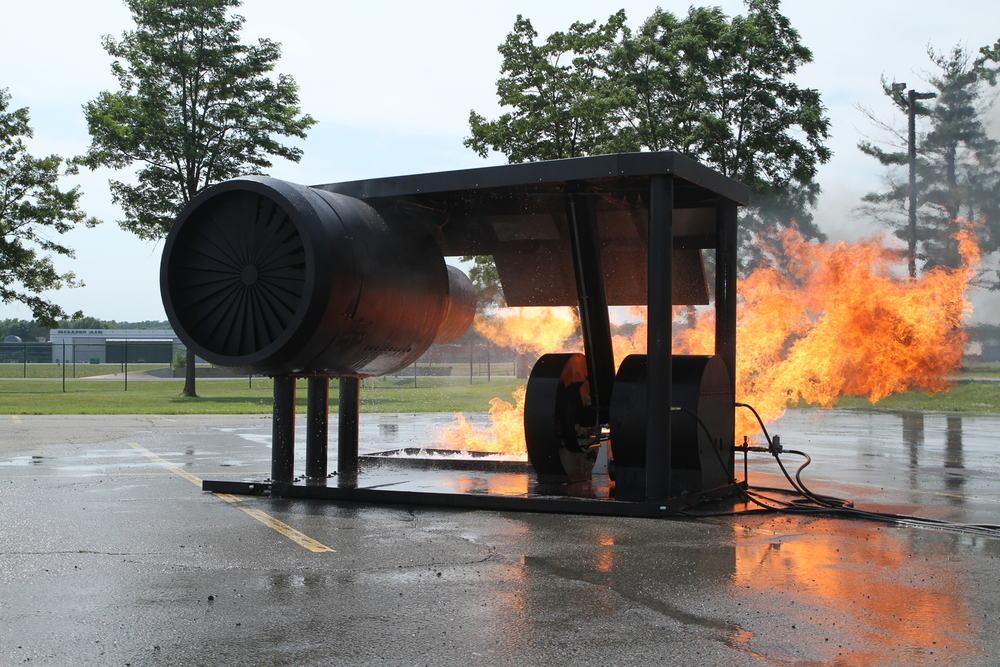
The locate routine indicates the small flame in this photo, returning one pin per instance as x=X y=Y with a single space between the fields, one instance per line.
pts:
x=529 y=331
x=503 y=435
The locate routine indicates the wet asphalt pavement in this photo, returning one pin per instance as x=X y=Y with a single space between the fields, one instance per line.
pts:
x=111 y=554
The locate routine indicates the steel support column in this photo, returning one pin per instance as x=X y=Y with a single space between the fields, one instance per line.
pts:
x=347 y=430
x=317 y=437
x=725 y=287
x=726 y=299
x=581 y=216
x=283 y=433
x=659 y=378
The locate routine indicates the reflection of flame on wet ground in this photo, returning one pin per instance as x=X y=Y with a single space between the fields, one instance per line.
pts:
x=502 y=485
x=862 y=587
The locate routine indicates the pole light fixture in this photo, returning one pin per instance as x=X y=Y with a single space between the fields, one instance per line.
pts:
x=911 y=108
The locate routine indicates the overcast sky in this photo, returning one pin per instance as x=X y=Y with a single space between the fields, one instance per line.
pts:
x=392 y=82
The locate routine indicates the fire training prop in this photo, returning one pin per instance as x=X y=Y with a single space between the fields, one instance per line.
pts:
x=349 y=280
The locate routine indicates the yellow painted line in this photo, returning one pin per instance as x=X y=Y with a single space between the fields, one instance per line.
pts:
x=286 y=530
x=299 y=538
x=17 y=420
x=166 y=464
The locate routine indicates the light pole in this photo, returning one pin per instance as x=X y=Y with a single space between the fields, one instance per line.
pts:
x=911 y=109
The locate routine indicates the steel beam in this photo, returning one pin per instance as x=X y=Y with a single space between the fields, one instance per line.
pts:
x=581 y=217
x=659 y=378
x=347 y=430
x=725 y=287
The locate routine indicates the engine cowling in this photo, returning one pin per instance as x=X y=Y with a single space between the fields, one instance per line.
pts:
x=264 y=276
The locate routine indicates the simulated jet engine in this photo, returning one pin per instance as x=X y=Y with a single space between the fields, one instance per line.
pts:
x=268 y=277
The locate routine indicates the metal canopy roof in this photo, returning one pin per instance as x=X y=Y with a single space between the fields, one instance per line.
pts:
x=517 y=213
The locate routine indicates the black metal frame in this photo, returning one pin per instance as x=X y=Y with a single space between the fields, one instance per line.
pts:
x=673 y=182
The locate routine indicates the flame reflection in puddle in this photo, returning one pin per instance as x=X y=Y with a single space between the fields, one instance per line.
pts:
x=873 y=593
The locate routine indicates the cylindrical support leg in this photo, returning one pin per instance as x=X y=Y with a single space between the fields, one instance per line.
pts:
x=317 y=416
x=283 y=433
x=347 y=429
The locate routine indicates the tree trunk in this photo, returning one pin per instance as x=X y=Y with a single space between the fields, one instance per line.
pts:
x=521 y=366
x=189 y=389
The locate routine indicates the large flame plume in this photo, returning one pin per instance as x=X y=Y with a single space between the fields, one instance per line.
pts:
x=840 y=319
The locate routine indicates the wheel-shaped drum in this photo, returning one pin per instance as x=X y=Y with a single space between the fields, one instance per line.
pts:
x=701 y=391
x=561 y=428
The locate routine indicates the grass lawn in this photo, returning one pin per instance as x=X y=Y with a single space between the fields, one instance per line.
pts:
x=965 y=396
x=431 y=394
x=45 y=397
x=15 y=370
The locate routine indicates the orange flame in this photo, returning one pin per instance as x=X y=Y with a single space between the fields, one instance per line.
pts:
x=841 y=320
x=530 y=330
x=503 y=435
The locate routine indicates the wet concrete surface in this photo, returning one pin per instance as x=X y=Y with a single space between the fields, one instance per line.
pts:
x=110 y=554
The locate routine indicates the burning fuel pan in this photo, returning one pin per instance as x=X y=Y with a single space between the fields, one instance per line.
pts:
x=418 y=458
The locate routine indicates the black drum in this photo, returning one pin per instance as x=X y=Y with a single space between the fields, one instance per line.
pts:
x=701 y=386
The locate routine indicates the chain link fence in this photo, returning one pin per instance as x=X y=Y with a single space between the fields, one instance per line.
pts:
x=116 y=359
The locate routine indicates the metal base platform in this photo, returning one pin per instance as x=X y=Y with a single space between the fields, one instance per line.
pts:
x=471 y=483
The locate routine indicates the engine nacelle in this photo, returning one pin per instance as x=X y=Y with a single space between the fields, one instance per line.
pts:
x=263 y=276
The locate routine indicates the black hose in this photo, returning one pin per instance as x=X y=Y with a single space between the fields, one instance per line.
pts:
x=826 y=505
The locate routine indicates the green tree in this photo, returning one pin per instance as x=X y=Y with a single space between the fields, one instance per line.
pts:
x=755 y=125
x=651 y=87
x=144 y=324
x=707 y=86
x=957 y=173
x=987 y=55
x=85 y=323
x=23 y=329
x=555 y=91
x=31 y=207
x=195 y=107
x=717 y=90
x=484 y=276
